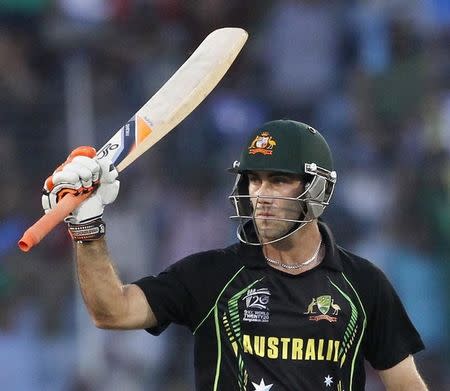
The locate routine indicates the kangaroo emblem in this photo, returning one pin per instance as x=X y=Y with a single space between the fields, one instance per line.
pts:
x=311 y=307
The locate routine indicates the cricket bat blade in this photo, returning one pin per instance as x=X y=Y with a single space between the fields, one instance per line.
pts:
x=173 y=102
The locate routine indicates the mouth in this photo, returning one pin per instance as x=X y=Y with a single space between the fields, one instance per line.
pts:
x=264 y=214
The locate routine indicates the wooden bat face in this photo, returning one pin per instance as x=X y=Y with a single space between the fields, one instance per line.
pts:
x=177 y=98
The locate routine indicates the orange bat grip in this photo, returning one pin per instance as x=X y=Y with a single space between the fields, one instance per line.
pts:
x=46 y=223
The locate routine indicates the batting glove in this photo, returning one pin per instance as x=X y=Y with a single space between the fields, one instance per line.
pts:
x=83 y=173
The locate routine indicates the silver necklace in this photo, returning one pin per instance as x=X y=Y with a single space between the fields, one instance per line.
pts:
x=295 y=265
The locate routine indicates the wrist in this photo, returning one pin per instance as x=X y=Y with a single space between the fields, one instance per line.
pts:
x=91 y=230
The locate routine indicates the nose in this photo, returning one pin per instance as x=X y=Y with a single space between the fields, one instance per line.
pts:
x=264 y=190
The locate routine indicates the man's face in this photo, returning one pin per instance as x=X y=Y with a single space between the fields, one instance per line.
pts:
x=268 y=212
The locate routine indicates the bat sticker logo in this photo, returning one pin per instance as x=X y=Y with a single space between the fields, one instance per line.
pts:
x=106 y=149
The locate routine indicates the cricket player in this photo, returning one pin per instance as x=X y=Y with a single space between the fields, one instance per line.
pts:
x=283 y=309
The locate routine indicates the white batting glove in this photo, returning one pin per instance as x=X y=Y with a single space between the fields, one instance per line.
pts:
x=106 y=192
x=82 y=174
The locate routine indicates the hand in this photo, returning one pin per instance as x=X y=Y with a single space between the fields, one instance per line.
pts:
x=82 y=172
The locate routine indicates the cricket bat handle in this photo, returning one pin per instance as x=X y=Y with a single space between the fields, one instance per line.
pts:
x=46 y=223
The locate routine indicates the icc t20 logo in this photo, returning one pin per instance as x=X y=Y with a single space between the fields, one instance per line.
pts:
x=256 y=305
x=257 y=298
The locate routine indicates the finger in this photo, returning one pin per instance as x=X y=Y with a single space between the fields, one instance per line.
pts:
x=67 y=177
x=91 y=164
x=46 y=202
x=83 y=172
x=108 y=171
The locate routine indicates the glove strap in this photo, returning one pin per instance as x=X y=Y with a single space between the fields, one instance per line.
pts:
x=87 y=232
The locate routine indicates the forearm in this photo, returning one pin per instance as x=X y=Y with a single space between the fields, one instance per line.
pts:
x=418 y=385
x=403 y=377
x=100 y=285
x=413 y=385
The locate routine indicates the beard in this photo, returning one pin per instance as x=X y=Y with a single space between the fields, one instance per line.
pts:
x=268 y=229
x=270 y=220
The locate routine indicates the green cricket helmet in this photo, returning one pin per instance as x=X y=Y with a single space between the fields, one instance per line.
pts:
x=284 y=146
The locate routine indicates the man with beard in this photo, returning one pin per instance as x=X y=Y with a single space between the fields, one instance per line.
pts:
x=285 y=308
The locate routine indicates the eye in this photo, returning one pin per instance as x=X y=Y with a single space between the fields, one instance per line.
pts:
x=281 y=179
x=253 y=178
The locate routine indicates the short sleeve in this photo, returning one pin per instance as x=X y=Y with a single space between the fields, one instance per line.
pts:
x=390 y=336
x=186 y=291
x=168 y=297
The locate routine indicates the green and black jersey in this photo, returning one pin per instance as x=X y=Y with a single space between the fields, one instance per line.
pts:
x=258 y=328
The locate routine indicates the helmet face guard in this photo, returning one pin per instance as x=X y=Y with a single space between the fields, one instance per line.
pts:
x=287 y=147
x=311 y=202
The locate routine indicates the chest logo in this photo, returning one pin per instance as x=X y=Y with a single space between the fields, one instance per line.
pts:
x=256 y=305
x=325 y=307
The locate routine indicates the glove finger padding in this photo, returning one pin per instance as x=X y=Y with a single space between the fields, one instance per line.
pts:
x=105 y=194
x=81 y=170
x=79 y=174
x=109 y=185
x=68 y=183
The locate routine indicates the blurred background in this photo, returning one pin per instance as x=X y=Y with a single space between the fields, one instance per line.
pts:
x=372 y=76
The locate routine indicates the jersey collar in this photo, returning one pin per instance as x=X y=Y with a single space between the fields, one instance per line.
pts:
x=252 y=256
x=332 y=258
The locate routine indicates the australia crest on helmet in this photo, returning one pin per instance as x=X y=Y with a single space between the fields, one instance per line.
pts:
x=262 y=143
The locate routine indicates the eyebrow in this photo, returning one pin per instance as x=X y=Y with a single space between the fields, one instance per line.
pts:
x=288 y=174
x=277 y=173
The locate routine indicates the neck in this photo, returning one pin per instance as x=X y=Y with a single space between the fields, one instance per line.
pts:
x=297 y=248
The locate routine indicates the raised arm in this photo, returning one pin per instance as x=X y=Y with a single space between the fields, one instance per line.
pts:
x=110 y=303
x=403 y=377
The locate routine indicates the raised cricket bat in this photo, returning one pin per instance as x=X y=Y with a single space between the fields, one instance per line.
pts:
x=176 y=99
